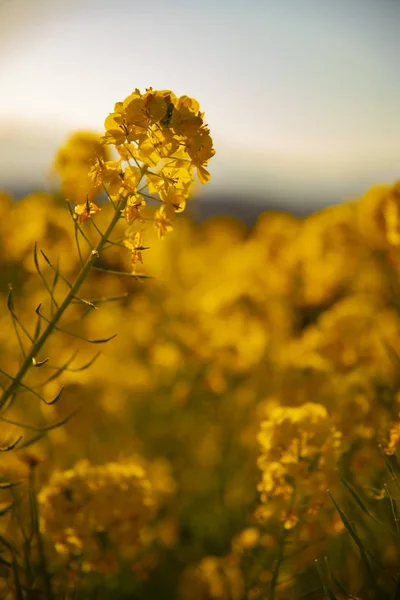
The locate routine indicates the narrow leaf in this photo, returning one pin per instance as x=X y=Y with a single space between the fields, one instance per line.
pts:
x=87 y=365
x=59 y=370
x=393 y=507
x=337 y=582
x=57 y=397
x=11 y=446
x=46 y=285
x=39 y=363
x=106 y=299
x=125 y=273
x=38 y=325
x=363 y=551
x=5 y=510
x=6 y=485
x=360 y=502
x=17 y=581
x=40 y=429
x=328 y=592
x=80 y=337
x=10 y=300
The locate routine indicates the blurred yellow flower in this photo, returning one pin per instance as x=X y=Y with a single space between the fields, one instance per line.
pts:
x=97 y=512
x=73 y=162
x=379 y=216
x=300 y=449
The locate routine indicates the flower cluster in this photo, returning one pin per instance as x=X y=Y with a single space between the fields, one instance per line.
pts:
x=379 y=216
x=300 y=337
x=299 y=453
x=214 y=578
x=73 y=162
x=97 y=512
x=161 y=140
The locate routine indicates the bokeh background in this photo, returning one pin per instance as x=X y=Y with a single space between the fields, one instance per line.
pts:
x=301 y=96
x=258 y=367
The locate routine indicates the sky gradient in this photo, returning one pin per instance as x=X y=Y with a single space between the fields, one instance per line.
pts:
x=302 y=96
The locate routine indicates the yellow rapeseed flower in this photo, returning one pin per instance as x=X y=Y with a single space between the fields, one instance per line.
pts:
x=299 y=452
x=97 y=512
x=378 y=213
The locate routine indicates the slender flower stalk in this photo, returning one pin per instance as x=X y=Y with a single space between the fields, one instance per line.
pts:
x=30 y=358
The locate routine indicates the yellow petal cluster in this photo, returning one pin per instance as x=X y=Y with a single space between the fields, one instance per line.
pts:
x=97 y=513
x=299 y=451
x=287 y=365
x=73 y=162
x=161 y=141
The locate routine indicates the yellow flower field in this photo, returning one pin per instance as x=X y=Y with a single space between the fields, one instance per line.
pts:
x=194 y=411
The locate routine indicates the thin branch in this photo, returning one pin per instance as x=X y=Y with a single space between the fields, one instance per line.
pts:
x=27 y=388
x=38 y=326
x=108 y=299
x=59 y=370
x=54 y=282
x=11 y=446
x=46 y=285
x=16 y=320
x=93 y=222
x=42 y=429
x=76 y=335
x=56 y=269
x=41 y=340
x=113 y=272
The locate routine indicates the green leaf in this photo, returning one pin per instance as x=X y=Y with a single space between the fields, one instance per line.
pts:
x=327 y=590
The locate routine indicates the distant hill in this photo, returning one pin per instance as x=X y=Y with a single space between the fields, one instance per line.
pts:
x=247 y=209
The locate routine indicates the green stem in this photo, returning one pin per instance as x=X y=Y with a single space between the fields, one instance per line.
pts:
x=10 y=390
x=281 y=553
x=277 y=566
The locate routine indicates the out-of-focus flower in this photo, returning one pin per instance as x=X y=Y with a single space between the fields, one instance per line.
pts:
x=73 y=162
x=299 y=452
x=214 y=578
x=97 y=513
x=378 y=212
x=328 y=250
x=394 y=437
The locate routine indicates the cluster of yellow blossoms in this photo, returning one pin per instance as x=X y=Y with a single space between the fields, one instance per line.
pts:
x=288 y=365
x=97 y=513
x=299 y=454
x=161 y=140
x=73 y=162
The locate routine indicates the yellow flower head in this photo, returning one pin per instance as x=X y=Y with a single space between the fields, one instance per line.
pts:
x=83 y=212
x=299 y=451
x=73 y=162
x=97 y=512
x=133 y=209
x=379 y=216
x=163 y=221
x=394 y=437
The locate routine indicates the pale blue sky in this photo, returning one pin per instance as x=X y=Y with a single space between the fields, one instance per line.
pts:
x=302 y=96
